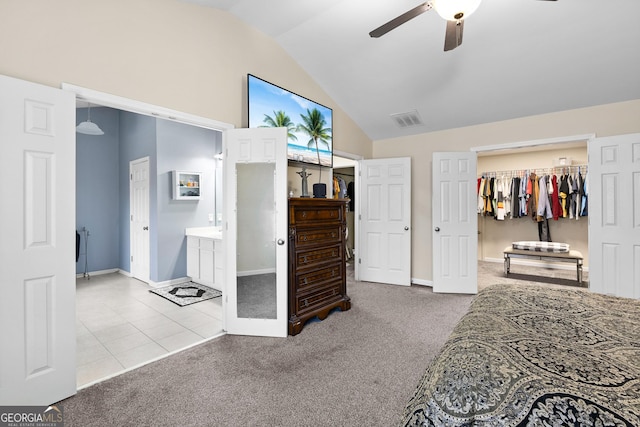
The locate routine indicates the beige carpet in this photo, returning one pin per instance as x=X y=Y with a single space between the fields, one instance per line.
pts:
x=355 y=368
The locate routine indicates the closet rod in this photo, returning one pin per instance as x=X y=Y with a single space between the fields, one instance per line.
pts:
x=583 y=169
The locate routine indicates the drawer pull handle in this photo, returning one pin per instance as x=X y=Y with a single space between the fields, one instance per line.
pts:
x=304 y=259
x=306 y=303
x=333 y=234
x=304 y=238
x=304 y=214
x=304 y=281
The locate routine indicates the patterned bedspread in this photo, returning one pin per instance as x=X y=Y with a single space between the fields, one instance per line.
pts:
x=534 y=356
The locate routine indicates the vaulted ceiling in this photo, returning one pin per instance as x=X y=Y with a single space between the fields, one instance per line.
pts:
x=518 y=58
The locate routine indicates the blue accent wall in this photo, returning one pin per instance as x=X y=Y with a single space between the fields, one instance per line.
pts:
x=97 y=192
x=102 y=185
x=185 y=148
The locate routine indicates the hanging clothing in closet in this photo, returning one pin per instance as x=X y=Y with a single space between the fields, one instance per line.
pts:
x=499 y=199
x=351 y=193
x=556 y=208
x=541 y=197
x=488 y=199
x=339 y=188
x=544 y=205
x=515 y=197
x=481 y=184
x=533 y=191
x=585 y=196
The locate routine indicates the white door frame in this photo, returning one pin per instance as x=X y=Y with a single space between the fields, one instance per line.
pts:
x=138 y=107
x=534 y=143
x=550 y=142
x=356 y=206
x=133 y=106
x=120 y=103
x=133 y=241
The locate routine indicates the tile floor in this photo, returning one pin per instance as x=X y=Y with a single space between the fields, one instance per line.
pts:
x=120 y=324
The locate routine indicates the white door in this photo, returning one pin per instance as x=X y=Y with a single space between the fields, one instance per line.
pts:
x=37 y=243
x=613 y=198
x=255 y=231
x=385 y=221
x=455 y=225
x=139 y=226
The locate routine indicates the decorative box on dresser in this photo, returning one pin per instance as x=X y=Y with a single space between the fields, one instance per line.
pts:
x=317 y=275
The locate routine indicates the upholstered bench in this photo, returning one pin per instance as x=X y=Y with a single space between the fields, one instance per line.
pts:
x=548 y=251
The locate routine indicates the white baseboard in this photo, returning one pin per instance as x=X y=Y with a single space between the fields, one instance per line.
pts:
x=540 y=264
x=97 y=272
x=128 y=274
x=256 y=272
x=169 y=282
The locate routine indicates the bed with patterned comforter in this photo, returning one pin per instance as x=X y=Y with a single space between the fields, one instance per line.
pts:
x=535 y=356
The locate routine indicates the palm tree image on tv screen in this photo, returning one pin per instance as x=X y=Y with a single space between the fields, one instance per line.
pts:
x=309 y=124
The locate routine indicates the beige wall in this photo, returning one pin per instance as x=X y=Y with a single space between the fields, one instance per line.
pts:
x=605 y=120
x=494 y=235
x=176 y=55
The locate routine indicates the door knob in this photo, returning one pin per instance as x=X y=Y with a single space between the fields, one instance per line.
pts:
x=280 y=242
x=437 y=229
x=406 y=228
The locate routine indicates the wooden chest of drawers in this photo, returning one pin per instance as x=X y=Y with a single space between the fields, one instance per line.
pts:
x=317 y=276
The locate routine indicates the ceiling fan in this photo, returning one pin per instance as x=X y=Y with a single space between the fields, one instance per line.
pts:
x=453 y=11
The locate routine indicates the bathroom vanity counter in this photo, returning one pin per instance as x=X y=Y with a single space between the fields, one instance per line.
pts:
x=205 y=256
x=204 y=232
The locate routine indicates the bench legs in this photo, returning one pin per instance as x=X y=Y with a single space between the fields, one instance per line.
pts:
x=579 y=270
x=507 y=266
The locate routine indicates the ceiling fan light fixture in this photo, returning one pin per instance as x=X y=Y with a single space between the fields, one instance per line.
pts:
x=455 y=10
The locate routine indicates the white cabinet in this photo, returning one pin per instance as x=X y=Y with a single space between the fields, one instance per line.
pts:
x=204 y=261
x=187 y=185
x=193 y=258
x=207 y=262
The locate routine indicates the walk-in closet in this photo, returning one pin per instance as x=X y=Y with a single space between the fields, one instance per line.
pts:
x=561 y=169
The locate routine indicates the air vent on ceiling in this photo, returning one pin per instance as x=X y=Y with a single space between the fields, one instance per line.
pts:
x=408 y=119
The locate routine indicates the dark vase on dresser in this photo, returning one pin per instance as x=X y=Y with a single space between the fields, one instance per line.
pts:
x=317 y=275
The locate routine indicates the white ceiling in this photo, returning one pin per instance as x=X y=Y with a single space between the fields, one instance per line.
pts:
x=518 y=57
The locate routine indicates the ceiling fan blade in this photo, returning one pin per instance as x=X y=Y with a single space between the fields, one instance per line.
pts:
x=453 y=35
x=396 y=22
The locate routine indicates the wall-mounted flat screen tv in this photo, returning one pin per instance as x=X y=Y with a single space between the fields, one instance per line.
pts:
x=309 y=124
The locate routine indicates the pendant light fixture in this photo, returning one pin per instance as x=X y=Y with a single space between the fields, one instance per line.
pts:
x=88 y=127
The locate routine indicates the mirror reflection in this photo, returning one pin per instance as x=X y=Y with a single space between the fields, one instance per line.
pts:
x=256 y=241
